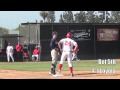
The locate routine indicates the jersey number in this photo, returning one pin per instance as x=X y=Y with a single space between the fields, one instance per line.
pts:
x=68 y=43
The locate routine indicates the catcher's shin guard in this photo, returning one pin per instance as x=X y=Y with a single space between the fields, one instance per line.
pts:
x=53 y=69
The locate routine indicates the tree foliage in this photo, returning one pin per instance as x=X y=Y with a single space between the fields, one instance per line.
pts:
x=101 y=16
x=51 y=17
x=90 y=16
x=80 y=17
x=83 y=17
x=44 y=15
x=97 y=19
x=68 y=17
x=3 y=31
x=61 y=19
x=115 y=17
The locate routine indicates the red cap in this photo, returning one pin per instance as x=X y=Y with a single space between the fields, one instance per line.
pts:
x=69 y=35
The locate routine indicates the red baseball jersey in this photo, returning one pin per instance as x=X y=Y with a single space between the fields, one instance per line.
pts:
x=19 y=48
x=36 y=51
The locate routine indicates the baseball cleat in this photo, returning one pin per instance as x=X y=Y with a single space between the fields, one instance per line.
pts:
x=72 y=75
x=49 y=72
x=54 y=72
x=54 y=75
x=58 y=72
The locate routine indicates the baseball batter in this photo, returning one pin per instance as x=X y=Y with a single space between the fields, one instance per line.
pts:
x=10 y=52
x=66 y=47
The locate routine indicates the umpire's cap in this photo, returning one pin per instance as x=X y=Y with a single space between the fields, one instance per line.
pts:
x=54 y=33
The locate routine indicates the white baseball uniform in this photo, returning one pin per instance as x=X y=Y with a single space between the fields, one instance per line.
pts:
x=9 y=52
x=67 y=45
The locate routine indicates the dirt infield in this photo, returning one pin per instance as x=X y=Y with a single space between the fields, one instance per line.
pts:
x=12 y=74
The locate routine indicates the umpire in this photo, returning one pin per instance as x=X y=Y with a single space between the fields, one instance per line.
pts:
x=54 y=52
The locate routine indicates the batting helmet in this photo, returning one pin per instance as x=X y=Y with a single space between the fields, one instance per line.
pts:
x=69 y=35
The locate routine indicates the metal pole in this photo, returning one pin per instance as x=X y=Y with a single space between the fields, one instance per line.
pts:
x=94 y=43
x=37 y=36
x=19 y=34
x=29 y=49
x=39 y=41
x=1 y=46
x=105 y=15
x=1 y=38
x=29 y=32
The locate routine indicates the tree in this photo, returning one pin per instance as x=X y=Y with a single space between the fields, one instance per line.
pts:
x=51 y=17
x=61 y=19
x=65 y=17
x=97 y=19
x=3 y=31
x=104 y=16
x=115 y=17
x=107 y=17
x=101 y=16
x=80 y=17
x=44 y=15
x=41 y=21
x=90 y=16
x=68 y=17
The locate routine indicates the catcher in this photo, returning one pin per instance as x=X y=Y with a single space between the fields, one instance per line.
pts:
x=54 y=52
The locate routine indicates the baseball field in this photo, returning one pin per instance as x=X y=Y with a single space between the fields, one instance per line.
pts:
x=84 y=69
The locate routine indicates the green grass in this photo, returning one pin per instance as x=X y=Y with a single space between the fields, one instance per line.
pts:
x=45 y=66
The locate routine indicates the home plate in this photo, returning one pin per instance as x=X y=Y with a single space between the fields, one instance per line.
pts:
x=58 y=75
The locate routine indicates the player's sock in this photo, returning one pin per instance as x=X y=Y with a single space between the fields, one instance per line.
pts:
x=71 y=69
x=60 y=66
x=54 y=69
x=51 y=70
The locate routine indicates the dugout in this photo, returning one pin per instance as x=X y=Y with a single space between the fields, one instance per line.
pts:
x=5 y=39
x=95 y=40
